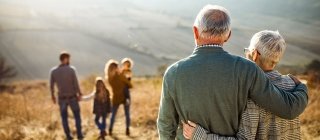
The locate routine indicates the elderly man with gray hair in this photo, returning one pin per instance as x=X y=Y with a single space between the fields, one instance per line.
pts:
x=212 y=87
x=266 y=49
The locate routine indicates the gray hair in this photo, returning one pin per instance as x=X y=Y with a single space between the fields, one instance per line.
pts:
x=213 y=21
x=270 y=45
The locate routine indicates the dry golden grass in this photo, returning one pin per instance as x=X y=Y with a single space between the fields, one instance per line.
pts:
x=310 y=119
x=26 y=112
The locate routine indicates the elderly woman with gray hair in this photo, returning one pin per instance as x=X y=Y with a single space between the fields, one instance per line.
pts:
x=266 y=49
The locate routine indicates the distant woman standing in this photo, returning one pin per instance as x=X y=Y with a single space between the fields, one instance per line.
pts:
x=118 y=83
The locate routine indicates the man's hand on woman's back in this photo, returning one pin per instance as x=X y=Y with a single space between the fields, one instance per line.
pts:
x=295 y=79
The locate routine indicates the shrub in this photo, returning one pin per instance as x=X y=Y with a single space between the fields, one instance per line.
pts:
x=313 y=72
x=6 y=71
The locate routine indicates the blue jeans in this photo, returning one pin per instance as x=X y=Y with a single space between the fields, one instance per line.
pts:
x=127 y=93
x=101 y=125
x=73 y=103
x=114 y=113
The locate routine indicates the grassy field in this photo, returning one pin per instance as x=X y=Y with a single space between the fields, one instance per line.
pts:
x=26 y=112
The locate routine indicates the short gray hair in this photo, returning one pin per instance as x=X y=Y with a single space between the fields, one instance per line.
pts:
x=213 y=21
x=270 y=45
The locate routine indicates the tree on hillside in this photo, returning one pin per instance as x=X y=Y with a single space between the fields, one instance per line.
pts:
x=314 y=66
x=6 y=71
x=162 y=69
x=313 y=72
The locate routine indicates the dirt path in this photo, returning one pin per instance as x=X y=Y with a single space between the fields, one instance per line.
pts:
x=118 y=132
x=91 y=132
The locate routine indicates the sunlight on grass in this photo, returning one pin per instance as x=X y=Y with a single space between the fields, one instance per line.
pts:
x=26 y=112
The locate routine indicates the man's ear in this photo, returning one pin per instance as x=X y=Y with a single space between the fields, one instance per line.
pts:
x=196 y=32
x=229 y=35
x=255 y=55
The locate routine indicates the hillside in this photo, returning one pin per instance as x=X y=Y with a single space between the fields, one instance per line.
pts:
x=26 y=112
x=153 y=32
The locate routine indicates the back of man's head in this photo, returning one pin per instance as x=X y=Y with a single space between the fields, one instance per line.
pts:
x=270 y=45
x=213 y=21
x=64 y=57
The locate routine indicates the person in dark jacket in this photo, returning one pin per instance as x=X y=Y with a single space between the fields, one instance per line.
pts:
x=101 y=106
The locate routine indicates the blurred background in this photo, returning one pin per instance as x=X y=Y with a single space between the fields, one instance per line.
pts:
x=154 y=33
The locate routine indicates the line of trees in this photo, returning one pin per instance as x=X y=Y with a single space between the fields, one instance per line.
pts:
x=6 y=71
x=313 y=72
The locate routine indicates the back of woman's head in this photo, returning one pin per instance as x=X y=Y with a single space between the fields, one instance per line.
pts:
x=101 y=92
x=271 y=46
x=99 y=82
x=110 y=68
x=128 y=61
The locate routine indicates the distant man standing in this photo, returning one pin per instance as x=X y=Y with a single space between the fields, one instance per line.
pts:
x=64 y=76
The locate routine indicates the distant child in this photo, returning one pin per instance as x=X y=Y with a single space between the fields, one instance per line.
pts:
x=126 y=70
x=101 y=105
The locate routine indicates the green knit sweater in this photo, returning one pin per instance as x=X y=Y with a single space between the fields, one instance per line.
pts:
x=211 y=87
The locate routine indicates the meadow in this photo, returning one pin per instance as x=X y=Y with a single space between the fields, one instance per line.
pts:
x=27 y=112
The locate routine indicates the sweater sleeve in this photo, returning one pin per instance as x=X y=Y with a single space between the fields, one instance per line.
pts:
x=247 y=128
x=167 y=121
x=88 y=97
x=287 y=105
x=52 y=82
x=202 y=134
x=76 y=82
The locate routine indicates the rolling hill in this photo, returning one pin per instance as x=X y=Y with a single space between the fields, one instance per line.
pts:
x=152 y=32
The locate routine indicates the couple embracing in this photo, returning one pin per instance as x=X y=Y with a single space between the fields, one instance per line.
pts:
x=216 y=95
